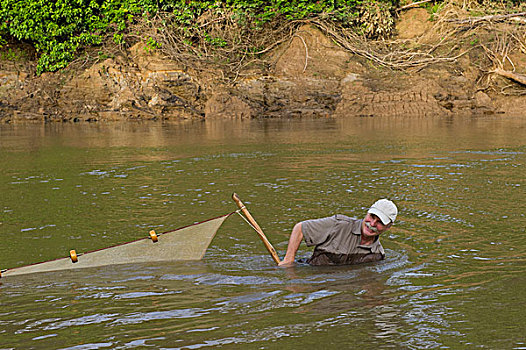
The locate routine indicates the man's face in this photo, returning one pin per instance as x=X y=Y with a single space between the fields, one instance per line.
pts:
x=372 y=226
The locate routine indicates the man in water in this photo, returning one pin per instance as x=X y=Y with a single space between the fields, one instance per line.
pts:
x=341 y=240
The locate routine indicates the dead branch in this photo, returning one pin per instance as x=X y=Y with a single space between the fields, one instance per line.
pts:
x=413 y=4
x=490 y=18
x=519 y=78
x=212 y=21
x=270 y=47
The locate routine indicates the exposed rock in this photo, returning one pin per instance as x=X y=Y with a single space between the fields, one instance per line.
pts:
x=141 y=88
x=225 y=105
x=482 y=100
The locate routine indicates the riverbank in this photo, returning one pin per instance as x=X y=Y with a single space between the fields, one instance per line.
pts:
x=447 y=63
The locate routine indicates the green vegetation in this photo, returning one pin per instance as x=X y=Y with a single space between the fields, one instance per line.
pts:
x=59 y=29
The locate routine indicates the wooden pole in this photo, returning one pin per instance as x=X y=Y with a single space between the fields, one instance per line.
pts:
x=258 y=229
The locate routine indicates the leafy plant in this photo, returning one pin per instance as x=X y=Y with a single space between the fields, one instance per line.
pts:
x=59 y=29
x=152 y=45
x=433 y=9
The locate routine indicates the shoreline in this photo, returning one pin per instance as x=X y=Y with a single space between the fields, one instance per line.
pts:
x=316 y=73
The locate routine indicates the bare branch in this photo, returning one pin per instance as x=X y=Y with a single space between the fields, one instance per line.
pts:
x=413 y=4
x=490 y=18
x=519 y=78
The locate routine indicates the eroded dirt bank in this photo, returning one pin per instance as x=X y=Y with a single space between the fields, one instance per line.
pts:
x=310 y=75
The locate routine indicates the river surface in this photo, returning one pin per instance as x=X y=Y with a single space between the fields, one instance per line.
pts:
x=454 y=276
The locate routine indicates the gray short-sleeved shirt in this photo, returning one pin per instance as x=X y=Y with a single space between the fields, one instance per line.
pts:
x=337 y=240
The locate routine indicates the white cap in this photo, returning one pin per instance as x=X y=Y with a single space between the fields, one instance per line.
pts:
x=385 y=210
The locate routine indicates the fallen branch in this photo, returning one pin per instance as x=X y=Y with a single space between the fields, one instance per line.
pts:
x=474 y=20
x=413 y=4
x=519 y=78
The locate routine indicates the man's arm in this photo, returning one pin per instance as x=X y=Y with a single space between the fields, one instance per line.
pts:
x=294 y=243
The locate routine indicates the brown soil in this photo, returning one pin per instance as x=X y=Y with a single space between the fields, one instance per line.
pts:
x=310 y=75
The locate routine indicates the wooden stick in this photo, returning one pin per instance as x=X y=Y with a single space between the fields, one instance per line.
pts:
x=258 y=229
x=413 y=4
x=519 y=78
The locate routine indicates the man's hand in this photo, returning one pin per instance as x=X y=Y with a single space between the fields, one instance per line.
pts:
x=286 y=263
x=294 y=242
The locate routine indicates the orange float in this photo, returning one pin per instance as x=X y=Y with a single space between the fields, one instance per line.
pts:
x=73 y=256
x=153 y=236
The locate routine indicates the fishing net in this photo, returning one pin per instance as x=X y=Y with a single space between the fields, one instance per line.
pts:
x=187 y=243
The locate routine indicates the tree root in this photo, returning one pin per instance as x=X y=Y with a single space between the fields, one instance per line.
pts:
x=387 y=56
x=219 y=44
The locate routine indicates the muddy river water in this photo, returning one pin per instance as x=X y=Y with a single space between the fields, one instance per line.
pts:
x=454 y=276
